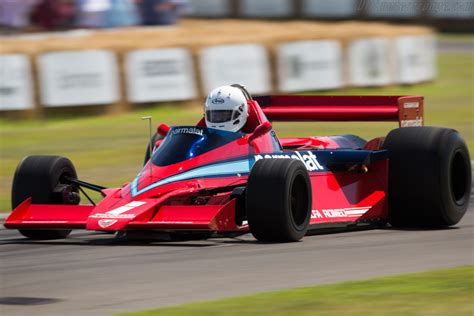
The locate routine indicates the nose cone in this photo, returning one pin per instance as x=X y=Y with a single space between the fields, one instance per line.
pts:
x=110 y=217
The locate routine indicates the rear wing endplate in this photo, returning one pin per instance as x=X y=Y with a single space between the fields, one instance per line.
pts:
x=407 y=110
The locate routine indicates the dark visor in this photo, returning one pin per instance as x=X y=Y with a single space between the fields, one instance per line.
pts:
x=219 y=116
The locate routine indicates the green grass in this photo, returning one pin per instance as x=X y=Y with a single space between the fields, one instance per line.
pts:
x=442 y=292
x=109 y=150
x=465 y=37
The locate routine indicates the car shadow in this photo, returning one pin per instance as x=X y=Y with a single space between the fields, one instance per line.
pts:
x=419 y=229
x=98 y=239
x=105 y=239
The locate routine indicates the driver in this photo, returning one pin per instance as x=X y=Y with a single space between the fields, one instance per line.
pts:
x=226 y=108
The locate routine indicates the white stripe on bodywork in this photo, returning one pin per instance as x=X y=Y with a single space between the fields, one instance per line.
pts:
x=125 y=208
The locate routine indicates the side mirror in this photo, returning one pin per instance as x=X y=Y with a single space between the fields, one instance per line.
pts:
x=163 y=130
x=261 y=130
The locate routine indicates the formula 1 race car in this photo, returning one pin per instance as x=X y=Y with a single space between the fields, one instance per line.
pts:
x=205 y=180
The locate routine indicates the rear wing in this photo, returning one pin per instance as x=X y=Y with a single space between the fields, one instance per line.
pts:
x=407 y=110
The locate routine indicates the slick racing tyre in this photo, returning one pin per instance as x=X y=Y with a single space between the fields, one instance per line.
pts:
x=278 y=200
x=429 y=177
x=151 y=144
x=37 y=177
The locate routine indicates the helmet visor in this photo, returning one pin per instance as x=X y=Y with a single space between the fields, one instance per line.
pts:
x=219 y=116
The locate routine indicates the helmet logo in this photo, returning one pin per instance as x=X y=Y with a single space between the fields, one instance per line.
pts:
x=217 y=101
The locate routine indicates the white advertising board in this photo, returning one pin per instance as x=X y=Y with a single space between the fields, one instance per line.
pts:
x=416 y=58
x=391 y=8
x=333 y=8
x=266 y=8
x=370 y=62
x=246 y=64
x=210 y=8
x=78 y=78
x=452 y=9
x=16 y=89
x=309 y=65
x=160 y=75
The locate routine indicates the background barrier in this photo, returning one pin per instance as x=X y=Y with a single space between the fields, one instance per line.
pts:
x=416 y=56
x=370 y=62
x=155 y=75
x=16 y=91
x=247 y=64
x=136 y=66
x=309 y=65
x=78 y=78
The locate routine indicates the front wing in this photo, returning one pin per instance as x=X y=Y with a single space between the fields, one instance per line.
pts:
x=146 y=215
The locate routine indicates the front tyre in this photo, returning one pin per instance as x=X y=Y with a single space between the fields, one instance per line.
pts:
x=278 y=200
x=38 y=177
x=429 y=177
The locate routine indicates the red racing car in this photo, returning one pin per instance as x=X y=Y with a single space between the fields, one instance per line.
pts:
x=206 y=180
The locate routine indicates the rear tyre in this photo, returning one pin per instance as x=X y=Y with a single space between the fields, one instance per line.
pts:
x=278 y=200
x=37 y=177
x=429 y=177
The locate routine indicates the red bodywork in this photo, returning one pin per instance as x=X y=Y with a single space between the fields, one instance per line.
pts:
x=348 y=176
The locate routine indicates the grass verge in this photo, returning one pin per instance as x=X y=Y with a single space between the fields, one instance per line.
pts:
x=441 y=292
x=109 y=150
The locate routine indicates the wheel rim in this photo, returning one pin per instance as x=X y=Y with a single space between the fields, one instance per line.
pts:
x=65 y=173
x=459 y=178
x=299 y=201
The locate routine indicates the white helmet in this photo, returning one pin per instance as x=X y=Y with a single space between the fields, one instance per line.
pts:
x=226 y=109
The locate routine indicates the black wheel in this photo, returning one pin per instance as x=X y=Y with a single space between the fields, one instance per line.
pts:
x=429 y=177
x=151 y=144
x=37 y=177
x=278 y=200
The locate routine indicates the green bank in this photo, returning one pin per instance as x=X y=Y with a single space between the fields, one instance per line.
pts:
x=442 y=292
x=109 y=150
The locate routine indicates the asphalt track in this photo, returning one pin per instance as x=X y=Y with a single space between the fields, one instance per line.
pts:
x=95 y=274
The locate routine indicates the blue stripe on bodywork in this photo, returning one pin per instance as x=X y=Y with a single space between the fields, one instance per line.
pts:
x=325 y=158
x=228 y=168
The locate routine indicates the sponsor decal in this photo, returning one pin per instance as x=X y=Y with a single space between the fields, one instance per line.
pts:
x=308 y=159
x=411 y=123
x=316 y=214
x=187 y=130
x=334 y=213
x=411 y=105
x=339 y=212
x=117 y=212
x=104 y=223
x=217 y=101
x=125 y=208
x=166 y=67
